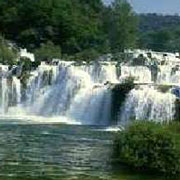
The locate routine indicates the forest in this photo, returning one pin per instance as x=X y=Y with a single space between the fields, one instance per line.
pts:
x=84 y=29
x=159 y=32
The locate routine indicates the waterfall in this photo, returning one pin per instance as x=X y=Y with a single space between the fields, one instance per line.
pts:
x=71 y=92
x=92 y=106
x=169 y=74
x=4 y=96
x=147 y=103
x=66 y=92
x=141 y=74
x=16 y=85
x=10 y=94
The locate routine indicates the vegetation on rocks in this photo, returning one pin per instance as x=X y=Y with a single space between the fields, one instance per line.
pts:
x=47 y=52
x=8 y=54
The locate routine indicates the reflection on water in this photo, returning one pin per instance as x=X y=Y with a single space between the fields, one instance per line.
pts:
x=54 y=151
x=60 y=152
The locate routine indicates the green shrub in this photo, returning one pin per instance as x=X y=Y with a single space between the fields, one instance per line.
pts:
x=139 y=61
x=164 y=88
x=149 y=146
x=47 y=52
x=24 y=78
x=8 y=54
x=129 y=81
x=26 y=64
x=87 y=55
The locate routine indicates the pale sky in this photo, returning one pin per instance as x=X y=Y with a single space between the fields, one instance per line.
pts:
x=155 y=6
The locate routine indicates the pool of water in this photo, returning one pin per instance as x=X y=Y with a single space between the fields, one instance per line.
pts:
x=60 y=152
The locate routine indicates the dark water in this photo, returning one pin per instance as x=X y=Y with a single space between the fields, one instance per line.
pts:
x=60 y=152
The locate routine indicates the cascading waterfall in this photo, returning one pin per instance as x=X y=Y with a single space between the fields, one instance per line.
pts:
x=169 y=75
x=66 y=92
x=147 y=103
x=82 y=93
x=10 y=94
x=4 y=96
x=16 y=86
x=142 y=74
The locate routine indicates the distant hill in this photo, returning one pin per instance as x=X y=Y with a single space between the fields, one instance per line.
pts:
x=154 y=22
x=159 y=32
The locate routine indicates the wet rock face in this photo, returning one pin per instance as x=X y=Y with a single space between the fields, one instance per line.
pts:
x=177 y=113
x=119 y=95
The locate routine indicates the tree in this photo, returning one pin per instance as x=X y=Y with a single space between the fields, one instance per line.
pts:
x=123 y=26
x=74 y=25
x=159 y=32
x=8 y=54
x=48 y=52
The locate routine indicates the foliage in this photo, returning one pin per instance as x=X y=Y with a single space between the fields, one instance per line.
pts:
x=164 y=88
x=73 y=25
x=149 y=146
x=24 y=79
x=8 y=54
x=153 y=22
x=123 y=26
x=25 y=63
x=160 y=36
x=87 y=55
x=79 y=26
x=76 y=26
x=47 y=52
x=129 y=82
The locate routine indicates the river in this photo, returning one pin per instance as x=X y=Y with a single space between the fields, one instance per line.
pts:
x=60 y=152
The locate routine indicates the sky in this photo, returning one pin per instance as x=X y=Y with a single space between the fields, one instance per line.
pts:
x=155 y=6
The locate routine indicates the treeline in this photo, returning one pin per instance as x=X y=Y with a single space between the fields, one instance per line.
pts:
x=159 y=32
x=154 y=22
x=82 y=28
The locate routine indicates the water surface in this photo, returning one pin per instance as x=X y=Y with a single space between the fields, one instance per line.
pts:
x=60 y=152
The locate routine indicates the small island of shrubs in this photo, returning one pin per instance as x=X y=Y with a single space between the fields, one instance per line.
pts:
x=149 y=146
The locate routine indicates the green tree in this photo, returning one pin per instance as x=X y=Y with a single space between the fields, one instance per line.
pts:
x=123 y=26
x=48 y=52
x=74 y=25
x=160 y=40
x=8 y=54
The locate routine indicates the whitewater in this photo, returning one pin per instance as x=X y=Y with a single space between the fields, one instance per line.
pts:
x=82 y=93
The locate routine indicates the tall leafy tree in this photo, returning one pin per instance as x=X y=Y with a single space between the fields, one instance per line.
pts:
x=123 y=26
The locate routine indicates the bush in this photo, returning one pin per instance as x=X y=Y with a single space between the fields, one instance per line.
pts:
x=164 y=88
x=8 y=54
x=87 y=55
x=26 y=64
x=47 y=52
x=129 y=81
x=149 y=146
